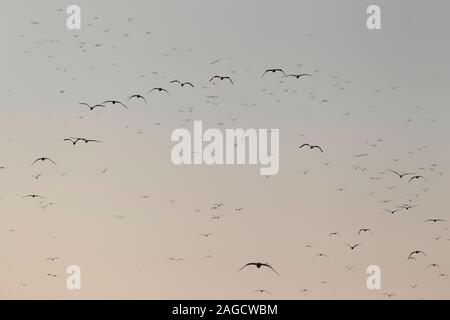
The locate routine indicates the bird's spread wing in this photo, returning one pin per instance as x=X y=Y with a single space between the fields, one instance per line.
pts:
x=248 y=264
x=270 y=267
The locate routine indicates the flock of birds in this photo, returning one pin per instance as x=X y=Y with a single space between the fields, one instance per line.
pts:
x=386 y=205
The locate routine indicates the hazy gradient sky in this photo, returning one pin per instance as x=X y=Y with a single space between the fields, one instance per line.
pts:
x=111 y=57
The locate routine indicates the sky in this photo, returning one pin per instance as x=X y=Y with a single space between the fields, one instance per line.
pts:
x=377 y=100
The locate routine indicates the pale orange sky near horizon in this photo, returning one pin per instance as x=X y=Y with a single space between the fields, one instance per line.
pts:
x=386 y=95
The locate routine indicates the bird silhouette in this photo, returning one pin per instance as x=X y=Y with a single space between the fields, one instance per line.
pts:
x=92 y=107
x=312 y=147
x=114 y=102
x=258 y=265
x=137 y=96
x=298 y=76
x=273 y=71
x=221 y=78
x=401 y=175
x=159 y=90
x=182 y=84
x=416 y=252
x=352 y=247
x=416 y=178
x=43 y=159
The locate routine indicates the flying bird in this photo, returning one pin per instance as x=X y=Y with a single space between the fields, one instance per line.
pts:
x=89 y=140
x=72 y=140
x=401 y=175
x=34 y=196
x=206 y=235
x=311 y=147
x=416 y=178
x=94 y=106
x=273 y=71
x=43 y=159
x=407 y=207
x=221 y=78
x=259 y=265
x=137 y=96
x=114 y=102
x=435 y=220
x=261 y=291
x=159 y=90
x=52 y=259
x=364 y=230
x=352 y=247
x=392 y=211
x=298 y=76
x=411 y=255
x=182 y=83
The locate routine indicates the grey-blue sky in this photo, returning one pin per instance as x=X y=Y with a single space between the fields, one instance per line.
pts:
x=281 y=213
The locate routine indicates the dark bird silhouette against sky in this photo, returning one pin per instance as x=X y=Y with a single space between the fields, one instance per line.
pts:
x=259 y=265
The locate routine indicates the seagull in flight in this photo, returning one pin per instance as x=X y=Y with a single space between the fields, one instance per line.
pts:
x=273 y=71
x=352 y=247
x=392 y=211
x=137 y=96
x=176 y=259
x=259 y=265
x=411 y=255
x=298 y=76
x=262 y=291
x=364 y=230
x=435 y=220
x=311 y=147
x=401 y=175
x=115 y=102
x=34 y=196
x=72 y=140
x=94 y=106
x=44 y=159
x=206 y=235
x=416 y=178
x=221 y=78
x=182 y=83
x=88 y=140
x=159 y=90
x=407 y=207
x=76 y=140
x=52 y=259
